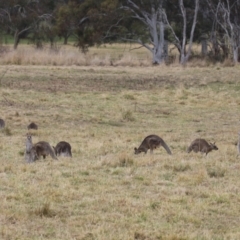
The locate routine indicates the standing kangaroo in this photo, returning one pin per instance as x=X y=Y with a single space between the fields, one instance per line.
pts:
x=63 y=149
x=201 y=145
x=30 y=153
x=152 y=142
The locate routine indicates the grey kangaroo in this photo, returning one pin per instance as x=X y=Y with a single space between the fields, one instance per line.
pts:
x=32 y=125
x=63 y=149
x=152 y=142
x=30 y=153
x=34 y=151
x=2 y=123
x=201 y=145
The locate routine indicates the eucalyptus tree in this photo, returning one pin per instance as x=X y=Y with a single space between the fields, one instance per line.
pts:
x=87 y=20
x=227 y=20
x=182 y=25
x=150 y=15
x=66 y=20
x=17 y=18
x=22 y=17
x=161 y=20
x=43 y=28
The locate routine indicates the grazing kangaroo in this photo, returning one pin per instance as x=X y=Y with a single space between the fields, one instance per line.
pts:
x=44 y=149
x=152 y=142
x=201 y=145
x=2 y=123
x=63 y=149
x=32 y=125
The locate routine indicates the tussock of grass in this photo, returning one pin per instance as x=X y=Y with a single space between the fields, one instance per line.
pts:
x=7 y=131
x=121 y=160
x=125 y=161
x=182 y=167
x=43 y=211
x=128 y=116
x=216 y=172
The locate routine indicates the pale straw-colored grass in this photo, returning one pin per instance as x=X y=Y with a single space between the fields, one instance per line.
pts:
x=116 y=55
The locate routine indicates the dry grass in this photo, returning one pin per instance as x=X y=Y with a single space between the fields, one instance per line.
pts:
x=129 y=55
x=109 y=55
x=105 y=191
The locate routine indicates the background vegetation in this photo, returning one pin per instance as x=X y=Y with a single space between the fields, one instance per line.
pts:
x=151 y=24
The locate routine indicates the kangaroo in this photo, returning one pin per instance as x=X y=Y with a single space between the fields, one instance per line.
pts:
x=152 y=142
x=2 y=123
x=44 y=149
x=32 y=125
x=201 y=145
x=30 y=153
x=34 y=151
x=63 y=149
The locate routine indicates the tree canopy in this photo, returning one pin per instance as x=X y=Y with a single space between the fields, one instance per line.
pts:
x=152 y=24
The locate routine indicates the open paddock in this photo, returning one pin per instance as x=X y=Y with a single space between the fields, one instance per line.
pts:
x=105 y=191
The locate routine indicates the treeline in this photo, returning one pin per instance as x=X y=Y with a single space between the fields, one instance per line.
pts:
x=153 y=24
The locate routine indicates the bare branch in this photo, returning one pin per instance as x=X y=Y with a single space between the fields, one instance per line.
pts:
x=112 y=26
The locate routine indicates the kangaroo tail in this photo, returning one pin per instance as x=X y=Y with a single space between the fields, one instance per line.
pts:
x=52 y=153
x=166 y=148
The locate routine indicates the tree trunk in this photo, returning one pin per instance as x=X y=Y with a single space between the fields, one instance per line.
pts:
x=235 y=54
x=204 y=47
x=65 y=40
x=154 y=21
x=158 y=51
x=157 y=56
x=18 y=35
x=16 y=39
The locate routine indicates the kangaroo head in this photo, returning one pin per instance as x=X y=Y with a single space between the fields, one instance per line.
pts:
x=139 y=150
x=29 y=136
x=136 y=151
x=213 y=146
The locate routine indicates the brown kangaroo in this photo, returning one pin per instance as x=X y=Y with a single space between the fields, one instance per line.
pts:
x=2 y=123
x=63 y=149
x=32 y=125
x=44 y=149
x=152 y=142
x=201 y=145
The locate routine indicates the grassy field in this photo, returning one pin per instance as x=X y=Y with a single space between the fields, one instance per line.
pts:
x=68 y=55
x=105 y=191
